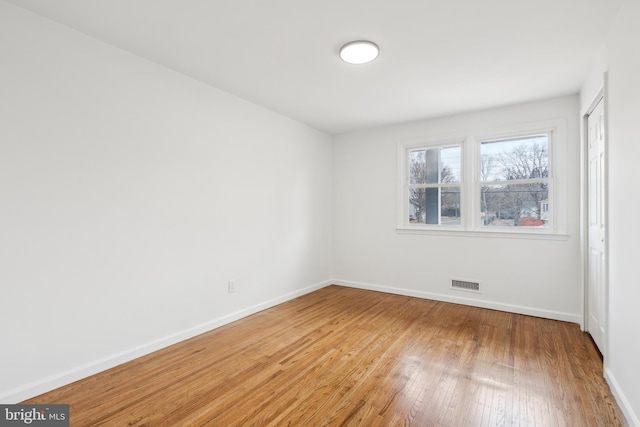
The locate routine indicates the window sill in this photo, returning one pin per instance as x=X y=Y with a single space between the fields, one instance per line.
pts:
x=494 y=233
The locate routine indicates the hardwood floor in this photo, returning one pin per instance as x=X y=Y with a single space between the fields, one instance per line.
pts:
x=342 y=356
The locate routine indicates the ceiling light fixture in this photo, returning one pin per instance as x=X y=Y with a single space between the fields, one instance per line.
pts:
x=359 y=52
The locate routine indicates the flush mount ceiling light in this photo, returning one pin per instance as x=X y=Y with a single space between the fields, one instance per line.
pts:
x=359 y=52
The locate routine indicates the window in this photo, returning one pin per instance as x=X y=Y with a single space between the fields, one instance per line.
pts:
x=433 y=185
x=505 y=182
x=515 y=181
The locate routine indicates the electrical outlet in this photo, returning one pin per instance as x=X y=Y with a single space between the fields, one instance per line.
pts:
x=231 y=286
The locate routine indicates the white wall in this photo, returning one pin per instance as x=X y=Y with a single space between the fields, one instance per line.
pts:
x=129 y=195
x=620 y=59
x=539 y=277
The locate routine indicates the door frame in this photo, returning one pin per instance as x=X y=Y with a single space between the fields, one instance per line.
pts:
x=584 y=217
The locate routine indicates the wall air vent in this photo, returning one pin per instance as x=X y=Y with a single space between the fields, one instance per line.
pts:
x=465 y=285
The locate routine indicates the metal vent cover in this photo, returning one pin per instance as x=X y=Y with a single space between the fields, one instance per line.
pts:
x=465 y=285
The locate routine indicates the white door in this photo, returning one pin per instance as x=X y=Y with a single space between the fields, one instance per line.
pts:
x=597 y=273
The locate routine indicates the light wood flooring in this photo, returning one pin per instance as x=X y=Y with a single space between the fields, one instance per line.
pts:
x=342 y=356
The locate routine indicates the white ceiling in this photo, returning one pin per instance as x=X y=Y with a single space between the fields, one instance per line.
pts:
x=438 y=57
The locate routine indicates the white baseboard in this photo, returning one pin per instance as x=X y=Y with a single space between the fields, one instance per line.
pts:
x=47 y=384
x=631 y=417
x=50 y=383
x=54 y=381
x=511 y=308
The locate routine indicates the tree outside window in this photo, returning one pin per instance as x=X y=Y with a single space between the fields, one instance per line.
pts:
x=514 y=181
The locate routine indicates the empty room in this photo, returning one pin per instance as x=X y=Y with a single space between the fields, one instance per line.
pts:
x=319 y=213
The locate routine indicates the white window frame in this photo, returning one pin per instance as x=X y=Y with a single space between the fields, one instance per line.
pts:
x=404 y=184
x=471 y=224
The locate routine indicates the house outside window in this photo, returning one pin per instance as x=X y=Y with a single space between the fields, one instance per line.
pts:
x=515 y=178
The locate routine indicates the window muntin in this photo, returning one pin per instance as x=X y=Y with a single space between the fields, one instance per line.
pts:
x=515 y=181
x=433 y=190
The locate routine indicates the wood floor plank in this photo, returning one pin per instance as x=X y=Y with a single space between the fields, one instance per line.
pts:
x=343 y=356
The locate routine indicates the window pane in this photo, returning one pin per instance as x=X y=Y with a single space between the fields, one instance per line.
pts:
x=434 y=206
x=450 y=164
x=417 y=167
x=450 y=206
x=515 y=158
x=435 y=165
x=517 y=205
